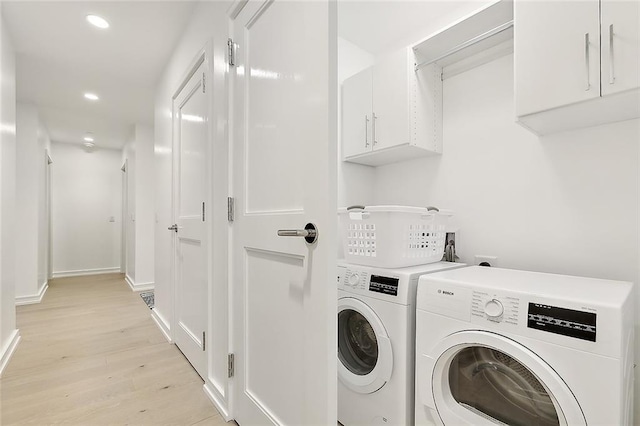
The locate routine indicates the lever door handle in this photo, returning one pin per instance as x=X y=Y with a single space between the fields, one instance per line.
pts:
x=173 y=227
x=309 y=233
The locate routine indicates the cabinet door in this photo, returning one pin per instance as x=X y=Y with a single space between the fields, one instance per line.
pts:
x=557 y=53
x=391 y=100
x=620 y=45
x=356 y=114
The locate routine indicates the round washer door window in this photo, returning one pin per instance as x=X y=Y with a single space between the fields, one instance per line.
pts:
x=484 y=378
x=365 y=359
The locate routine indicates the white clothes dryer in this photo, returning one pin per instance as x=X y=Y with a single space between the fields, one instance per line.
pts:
x=376 y=342
x=504 y=347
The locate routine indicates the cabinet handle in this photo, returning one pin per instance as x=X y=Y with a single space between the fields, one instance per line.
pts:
x=612 y=77
x=373 y=129
x=366 y=131
x=586 y=61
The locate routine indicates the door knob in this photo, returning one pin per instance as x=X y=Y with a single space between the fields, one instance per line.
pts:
x=309 y=233
x=173 y=227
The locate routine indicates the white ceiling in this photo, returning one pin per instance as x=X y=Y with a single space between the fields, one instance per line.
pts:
x=378 y=26
x=60 y=56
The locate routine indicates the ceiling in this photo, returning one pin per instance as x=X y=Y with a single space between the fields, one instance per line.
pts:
x=60 y=56
x=379 y=26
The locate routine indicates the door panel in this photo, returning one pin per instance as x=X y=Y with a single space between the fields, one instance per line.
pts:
x=357 y=104
x=190 y=150
x=551 y=67
x=264 y=331
x=283 y=177
x=391 y=100
x=621 y=49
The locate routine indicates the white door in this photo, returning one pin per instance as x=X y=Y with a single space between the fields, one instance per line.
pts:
x=620 y=46
x=364 y=348
x=356 y=114
x=483 y=378
x=391 y=121
x=190 y=115
x=557 y=53
x=284 y=93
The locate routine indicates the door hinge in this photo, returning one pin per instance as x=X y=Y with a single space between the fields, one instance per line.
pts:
x=230 y=208
x=230 y=366
x=203 y=211
x=231 y=51
x=204 y=341
x=204 y=83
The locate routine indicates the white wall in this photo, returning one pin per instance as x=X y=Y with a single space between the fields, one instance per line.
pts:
x=140 y=212
x=32 y=244
x=209 y=23
x=129 y=246
x=26 y=243
x=536 y=203
x=144 y=207
x=8 y=334
x=86 y=197
x=44 y=236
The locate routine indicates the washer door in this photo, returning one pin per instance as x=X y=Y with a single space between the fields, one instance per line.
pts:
x=365 y=359
x=479 y=378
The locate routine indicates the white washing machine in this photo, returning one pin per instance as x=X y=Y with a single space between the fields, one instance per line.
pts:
x=376 y=324
x=504 y=347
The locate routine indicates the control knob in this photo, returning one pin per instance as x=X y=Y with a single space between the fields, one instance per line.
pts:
x=353 y=280
x=494 y=309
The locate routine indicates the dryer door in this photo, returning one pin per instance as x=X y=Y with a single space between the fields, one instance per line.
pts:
x=482 y=378
x=365 y=359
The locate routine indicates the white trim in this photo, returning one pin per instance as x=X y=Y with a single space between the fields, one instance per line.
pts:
x=138 y=287
x=8 y=352
x=218 y=402
x=80 y=272
x=34 y=298
x=162 y=325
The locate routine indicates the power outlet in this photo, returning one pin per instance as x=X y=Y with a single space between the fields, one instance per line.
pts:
x=491 y=260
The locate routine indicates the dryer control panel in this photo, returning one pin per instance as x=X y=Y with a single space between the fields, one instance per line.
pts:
x=495 y=307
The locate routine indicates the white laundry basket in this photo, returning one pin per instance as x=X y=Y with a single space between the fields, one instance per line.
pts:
x=392 y=236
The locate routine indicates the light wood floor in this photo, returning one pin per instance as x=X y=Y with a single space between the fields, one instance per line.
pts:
x=91 y=355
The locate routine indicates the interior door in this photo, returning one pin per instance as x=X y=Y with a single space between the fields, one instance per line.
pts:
x=190 y=111
x=284 y=160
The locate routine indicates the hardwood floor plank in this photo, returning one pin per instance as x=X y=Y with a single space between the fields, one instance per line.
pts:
x=91 y=355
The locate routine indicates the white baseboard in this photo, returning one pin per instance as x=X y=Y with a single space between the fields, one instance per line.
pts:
x=218 y=402
x=80 y=272
x=33 y=299
x=162 y=325
x=138 y=286
x=9 y=350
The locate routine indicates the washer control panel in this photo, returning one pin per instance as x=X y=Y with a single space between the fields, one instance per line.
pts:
x=495 y=307
x=366 y=282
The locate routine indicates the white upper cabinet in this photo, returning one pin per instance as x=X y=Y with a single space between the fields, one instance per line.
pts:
x=357 y=114
x=390 y=112
x=570 y=58
x=620 y=46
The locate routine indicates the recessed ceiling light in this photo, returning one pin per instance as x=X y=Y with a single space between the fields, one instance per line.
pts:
x=91 y=96
x=98 y=21
x=89 y=144
x=88 y=138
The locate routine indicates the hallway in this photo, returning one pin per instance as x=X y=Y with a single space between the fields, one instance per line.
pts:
x=90 y=354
